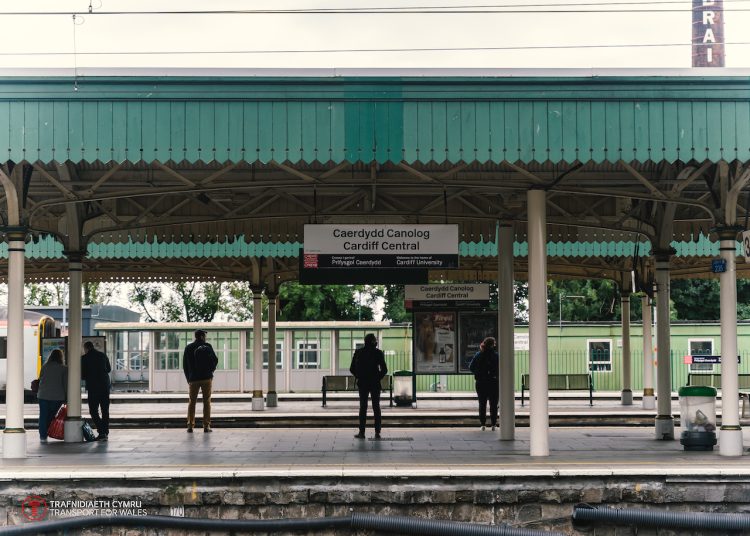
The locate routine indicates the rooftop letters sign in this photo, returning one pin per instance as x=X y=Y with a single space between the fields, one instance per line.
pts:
x=708 y=33
x=380 y=246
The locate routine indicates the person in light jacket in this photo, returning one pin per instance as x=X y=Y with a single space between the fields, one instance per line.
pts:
x=52 y=393
x=486 y=369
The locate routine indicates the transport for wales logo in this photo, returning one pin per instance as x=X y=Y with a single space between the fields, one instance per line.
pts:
x=34 y=508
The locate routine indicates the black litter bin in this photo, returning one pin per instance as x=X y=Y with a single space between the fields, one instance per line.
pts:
x=698 y=417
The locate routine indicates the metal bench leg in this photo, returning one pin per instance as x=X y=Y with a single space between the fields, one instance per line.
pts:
x=324 y=395
x=522 y=396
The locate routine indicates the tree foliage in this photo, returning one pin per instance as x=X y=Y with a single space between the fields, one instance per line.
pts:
x=324 y=302
x=586 y=301
x=56 y=294
x=177 y=302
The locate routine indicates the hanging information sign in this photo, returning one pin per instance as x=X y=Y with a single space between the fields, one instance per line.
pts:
x=380 y=246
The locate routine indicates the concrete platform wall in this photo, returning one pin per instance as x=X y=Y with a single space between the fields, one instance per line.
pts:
x=541 y=503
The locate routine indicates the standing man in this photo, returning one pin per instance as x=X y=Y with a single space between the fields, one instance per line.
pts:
x=95 y=369
x=199 y=363
x=368 y=366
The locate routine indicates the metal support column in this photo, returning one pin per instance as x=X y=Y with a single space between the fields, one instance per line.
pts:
x=649 y=401
x=538 y=365
x=272 y=399
x=257 y=404
x=14 y=435
x=73 y=430
x=505 y=331
x=664 y=423
x=730 y=433
x=626 y=397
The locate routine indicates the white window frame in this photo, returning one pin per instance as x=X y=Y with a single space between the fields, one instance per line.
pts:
x=701 y=367
x=299 y=348
x=279 y=354
x=591 y=362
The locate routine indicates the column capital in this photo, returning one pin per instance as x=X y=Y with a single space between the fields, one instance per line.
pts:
x=271 y=295
x=74 y=256
x=15 y=233
x=663 y=255
x=257 y=289
x=727 y=232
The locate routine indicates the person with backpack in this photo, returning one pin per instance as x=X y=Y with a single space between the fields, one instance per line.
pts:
x=199 y=363
x=368 y=366
x=486 y=368
x=95 y=369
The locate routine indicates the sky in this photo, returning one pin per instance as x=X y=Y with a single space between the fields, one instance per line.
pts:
x=644 y=24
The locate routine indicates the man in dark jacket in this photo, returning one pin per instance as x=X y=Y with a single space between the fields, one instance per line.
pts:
x=95 y=369
x=199 y=363
x=486 y=369
x=368 y=366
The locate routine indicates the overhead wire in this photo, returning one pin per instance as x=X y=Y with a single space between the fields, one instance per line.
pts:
x=361 y=50
x=401 y=10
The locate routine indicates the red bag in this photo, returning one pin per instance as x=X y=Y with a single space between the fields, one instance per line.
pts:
x=56 y=428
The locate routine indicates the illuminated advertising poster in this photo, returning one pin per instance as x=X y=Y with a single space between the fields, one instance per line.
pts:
x=473 y=329
x=435 y=342
x=54 y=343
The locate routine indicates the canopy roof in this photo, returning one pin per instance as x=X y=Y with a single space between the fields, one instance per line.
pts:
x=170 y=175
x=376 y=119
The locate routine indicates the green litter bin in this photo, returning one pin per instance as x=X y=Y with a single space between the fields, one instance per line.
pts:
x=698 y=417
x=402 y=388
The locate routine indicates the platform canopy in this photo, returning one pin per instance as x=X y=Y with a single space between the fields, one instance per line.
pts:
x=202 y=176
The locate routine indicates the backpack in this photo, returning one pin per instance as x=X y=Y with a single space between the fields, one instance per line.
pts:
x=204 y=353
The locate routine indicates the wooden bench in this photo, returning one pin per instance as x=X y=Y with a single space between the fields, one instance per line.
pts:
x=714 y=380
x=349 y=383
x=563 y=382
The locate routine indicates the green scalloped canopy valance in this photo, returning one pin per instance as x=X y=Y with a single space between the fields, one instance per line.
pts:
x=47 y=247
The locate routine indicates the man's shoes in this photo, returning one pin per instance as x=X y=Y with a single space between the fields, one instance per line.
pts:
x=360 y=435
x=207 y=430
x=190 y=430
x=494 y=427
x=102 y=437
x=42 y=439
x=377 y=435
x=482 y=428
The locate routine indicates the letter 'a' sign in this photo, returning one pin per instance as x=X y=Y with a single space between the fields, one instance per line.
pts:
x=380 y=246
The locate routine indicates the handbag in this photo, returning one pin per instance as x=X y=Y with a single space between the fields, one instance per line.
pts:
x=56 y=428
x=88 y=432
x=35 y=386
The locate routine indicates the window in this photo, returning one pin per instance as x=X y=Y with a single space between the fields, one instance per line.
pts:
x=169 y=347
x=279 y=354
x=600 y=355
x=131 y=351
x=308 y=354
x=3 y=347
x=701 y=347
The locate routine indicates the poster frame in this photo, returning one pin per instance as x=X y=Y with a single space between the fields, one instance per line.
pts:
x=464 y=354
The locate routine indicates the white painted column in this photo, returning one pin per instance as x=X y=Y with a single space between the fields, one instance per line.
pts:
x=730 y=433
x=538 y=366
x=505 y=332
x=664 y=423
x=14 y=435
x=649 y=400
x=272 y=399
x=626 y=397
x=257 y=404
x=73 y=431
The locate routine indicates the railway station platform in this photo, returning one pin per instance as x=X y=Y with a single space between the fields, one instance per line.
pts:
x=301 y=460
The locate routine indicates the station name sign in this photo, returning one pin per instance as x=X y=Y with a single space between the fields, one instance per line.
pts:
x=464 y=295
x=380 y=246
x=704 y=359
